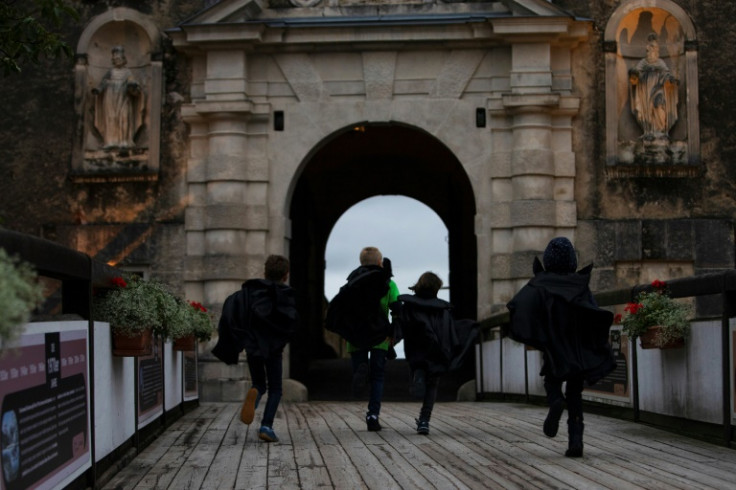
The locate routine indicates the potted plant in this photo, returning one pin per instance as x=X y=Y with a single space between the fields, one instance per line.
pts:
x=657 y=319
x=191 y=323
x=136 y=309
x=20 y=293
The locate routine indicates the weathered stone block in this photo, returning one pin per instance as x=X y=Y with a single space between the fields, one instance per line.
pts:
x=653 y=240
x=534 y=161
x=528 y=187
x=218 y=370
x=226 y=192
x=225 y=242
x=227 y=216
x=227 y=167
x=605 y=255
x=533 y=213
x=194 y=218
x=714 y=243
x=224 y=267
x=294 y=391
x=628 y=240
x=680 y=240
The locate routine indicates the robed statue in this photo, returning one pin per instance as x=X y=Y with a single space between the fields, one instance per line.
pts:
x=653 y=93
x=119 y=104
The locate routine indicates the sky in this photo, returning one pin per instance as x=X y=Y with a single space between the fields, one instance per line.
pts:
x=405 y=230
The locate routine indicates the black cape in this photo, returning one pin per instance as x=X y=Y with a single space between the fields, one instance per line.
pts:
x=355 y=313
x=433 y=340
x=260 y=318
x=556 y=314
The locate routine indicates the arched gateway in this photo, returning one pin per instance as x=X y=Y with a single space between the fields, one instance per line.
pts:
x=366 y=160
x=300 y=110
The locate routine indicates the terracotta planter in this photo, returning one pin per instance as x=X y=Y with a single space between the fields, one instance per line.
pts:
x=186 y=344
x=139 y=345
x=649 y=340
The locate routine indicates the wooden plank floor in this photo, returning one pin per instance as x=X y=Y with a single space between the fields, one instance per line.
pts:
x=471 y=445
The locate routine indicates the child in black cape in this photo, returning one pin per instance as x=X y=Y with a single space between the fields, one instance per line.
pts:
x=359 y=313
x=555 y=313
x=260 y=318
x=434 y=343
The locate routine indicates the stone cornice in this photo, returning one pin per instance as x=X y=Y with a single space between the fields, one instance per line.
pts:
x=465 y=28
x=222 y=108
x=519 y=103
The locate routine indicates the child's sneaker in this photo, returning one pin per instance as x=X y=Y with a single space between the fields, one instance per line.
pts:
x=422 y=427
x=267 y=434
x=248 y=411
x=372 y=422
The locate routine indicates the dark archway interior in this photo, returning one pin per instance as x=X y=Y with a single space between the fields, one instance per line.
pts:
x=362 y=162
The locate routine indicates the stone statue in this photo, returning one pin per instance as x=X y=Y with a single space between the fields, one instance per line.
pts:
x=119 y=104
x=653 y=93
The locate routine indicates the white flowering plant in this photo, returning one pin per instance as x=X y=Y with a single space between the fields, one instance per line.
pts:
x=134 y=305
x=656 y=308
x=20 y=293
x=191 y=318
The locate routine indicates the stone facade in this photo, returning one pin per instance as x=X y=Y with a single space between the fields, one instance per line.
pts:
x=497 y=115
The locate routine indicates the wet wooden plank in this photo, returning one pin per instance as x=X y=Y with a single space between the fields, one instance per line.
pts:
x=471 y=445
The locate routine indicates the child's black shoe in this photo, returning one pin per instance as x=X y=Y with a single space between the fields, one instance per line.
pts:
x=371 y=421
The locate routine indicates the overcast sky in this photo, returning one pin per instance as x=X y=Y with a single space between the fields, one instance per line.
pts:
x=405 y=230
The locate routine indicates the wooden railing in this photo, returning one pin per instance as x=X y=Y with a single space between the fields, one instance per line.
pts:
x=115 y=429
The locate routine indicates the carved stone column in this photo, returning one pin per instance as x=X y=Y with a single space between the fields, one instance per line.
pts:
x=533 y=169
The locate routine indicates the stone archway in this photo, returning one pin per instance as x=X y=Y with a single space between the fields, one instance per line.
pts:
x=364 y=161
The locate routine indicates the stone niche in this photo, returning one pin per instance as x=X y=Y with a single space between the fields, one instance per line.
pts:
x=118 y=86
x=651 y=91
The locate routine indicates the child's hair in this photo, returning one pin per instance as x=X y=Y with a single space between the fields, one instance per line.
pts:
x=427 y=285
x=370 y=256
x=277 y=266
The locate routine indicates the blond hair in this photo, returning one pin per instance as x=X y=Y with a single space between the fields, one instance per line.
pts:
x=370 y=256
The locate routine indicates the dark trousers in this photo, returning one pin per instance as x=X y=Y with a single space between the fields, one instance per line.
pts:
x=430 y=395
x=266 y=376
x=377 y=374
x=573 y=394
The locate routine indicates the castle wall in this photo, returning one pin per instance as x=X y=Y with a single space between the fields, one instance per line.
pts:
x=217 y=200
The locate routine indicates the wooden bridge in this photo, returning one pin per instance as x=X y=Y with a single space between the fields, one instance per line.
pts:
x=471 y=445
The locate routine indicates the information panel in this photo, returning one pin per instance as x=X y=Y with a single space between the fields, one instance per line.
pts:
x=189 y=366
x=151 y=384
x=44 y=407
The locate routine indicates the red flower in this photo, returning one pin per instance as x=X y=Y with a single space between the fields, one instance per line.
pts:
x=617 y=318
x=657 y=284
x=119 y=282
x=633 y=308
x=198 y=306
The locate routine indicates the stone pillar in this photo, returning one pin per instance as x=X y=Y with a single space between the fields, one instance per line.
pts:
x=227 y=202
x=533 y=169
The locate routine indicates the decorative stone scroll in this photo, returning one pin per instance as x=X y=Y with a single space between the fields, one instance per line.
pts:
x=651 y=91
x=118 y=99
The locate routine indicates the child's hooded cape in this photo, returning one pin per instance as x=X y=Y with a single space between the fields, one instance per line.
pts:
x=260 y=318
x=432 y=339
x=556 y=314
x=356 y=312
